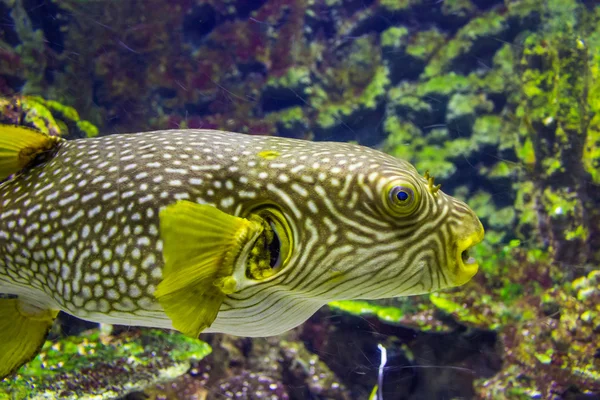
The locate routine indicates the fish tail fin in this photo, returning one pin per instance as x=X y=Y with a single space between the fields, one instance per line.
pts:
x=23 y=330
x=19 y=146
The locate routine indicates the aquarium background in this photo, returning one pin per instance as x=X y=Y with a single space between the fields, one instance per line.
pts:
x=497 y=99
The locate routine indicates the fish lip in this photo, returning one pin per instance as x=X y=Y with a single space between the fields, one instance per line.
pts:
x=466 y=270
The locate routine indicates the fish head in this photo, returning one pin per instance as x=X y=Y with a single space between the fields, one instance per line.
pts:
x=358 y=223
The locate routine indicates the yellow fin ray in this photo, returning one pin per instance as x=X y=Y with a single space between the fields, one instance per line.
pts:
x=200 y=246
x=23 y=330
x=19 y=146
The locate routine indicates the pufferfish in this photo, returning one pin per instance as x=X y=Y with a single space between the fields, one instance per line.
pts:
x=212 y=231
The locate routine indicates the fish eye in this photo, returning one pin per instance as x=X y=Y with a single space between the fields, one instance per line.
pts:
x=402 y=198
x=273 y=248
x=401 y=194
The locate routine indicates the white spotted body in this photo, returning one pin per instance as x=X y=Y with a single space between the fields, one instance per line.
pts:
x=80 y=232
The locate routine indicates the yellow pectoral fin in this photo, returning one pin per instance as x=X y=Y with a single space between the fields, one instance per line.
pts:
x=200 y=246
x=191 y=309
x=23 y=330
x=19 y=146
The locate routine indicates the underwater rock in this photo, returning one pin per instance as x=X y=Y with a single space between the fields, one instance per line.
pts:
x=101 y=366
x=48 y=17
x=198 y=22
x=278 y=366
x=251 y=386
x=306 y=376
x=188 y=386
x=474 y=345
x=420 y=365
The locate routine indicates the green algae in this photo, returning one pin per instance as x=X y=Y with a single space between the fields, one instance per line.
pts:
x=393 y=37
x=443 y=85
x=88 y=128
x=375 y=90
x=555 y=81
x=480 y=29
x=463 y=109
x=293 y=78
x=98 y=366
x=406 y=53
x=405 y=141
x=398 y=5
x=528 y=91
x=290 y=117
x=65 y=112
x=47 y=116
x=425 y=43
x=368 y=99
x=458 y=8
x=402 y=101
x=291 y=122
x=558 y=349
x=364 y=308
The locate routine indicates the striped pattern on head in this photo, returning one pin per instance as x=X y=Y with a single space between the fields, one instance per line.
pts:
x=83 y=227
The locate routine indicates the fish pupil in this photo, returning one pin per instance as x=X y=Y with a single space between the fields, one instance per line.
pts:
x=402 y=195
x=274 y=248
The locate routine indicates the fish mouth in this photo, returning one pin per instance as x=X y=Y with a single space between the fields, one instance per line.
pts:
x=467 y=265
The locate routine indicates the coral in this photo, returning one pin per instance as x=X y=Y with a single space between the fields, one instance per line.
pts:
x=30 y=52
